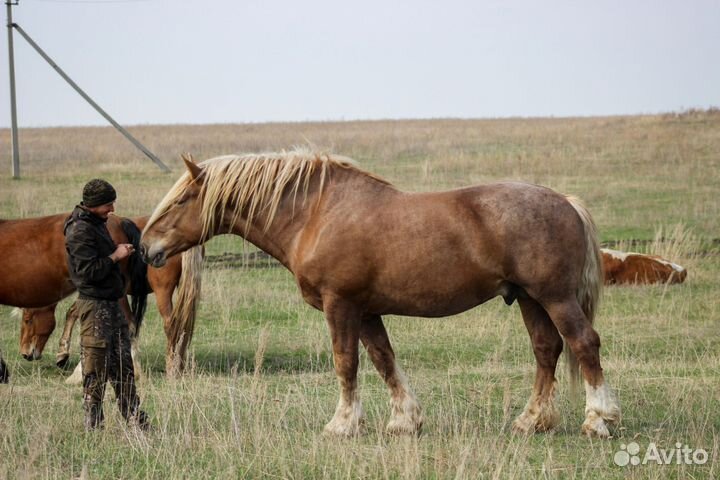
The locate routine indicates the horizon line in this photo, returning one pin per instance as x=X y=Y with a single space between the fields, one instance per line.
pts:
x=709 y=109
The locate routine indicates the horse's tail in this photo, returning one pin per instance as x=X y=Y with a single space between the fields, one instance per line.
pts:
x=137 y=271
x=187 y=299
x=590 y=288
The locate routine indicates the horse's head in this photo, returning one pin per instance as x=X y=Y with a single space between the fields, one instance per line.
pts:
x=37 y=325
x=176 y=225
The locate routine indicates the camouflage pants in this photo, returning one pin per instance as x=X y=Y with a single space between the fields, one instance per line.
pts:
x=105 y=351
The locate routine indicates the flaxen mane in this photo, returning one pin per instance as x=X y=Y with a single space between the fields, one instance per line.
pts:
x=252 y=184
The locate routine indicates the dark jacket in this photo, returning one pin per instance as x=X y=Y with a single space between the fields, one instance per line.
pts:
x=88 y=245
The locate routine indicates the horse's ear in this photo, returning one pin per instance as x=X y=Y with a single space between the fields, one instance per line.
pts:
x=195 y=170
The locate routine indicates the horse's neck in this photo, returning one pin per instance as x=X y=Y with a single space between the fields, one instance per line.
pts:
x=291 y=216
x=297 y=210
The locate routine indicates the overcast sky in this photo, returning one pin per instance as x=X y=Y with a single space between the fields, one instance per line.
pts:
x=236 y=61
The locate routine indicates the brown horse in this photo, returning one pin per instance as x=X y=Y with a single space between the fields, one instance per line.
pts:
x=178 y=317
x=34 y=269
x=359 y=248
x=34 y=275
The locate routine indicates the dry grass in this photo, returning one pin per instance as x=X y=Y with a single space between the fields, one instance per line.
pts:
x=261 y=386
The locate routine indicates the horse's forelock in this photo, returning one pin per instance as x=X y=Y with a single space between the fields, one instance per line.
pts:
x=175 y=192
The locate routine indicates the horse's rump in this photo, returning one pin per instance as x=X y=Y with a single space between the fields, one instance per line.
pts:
x=33 y=269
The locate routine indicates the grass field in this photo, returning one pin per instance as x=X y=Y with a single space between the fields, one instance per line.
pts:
x=261 y=384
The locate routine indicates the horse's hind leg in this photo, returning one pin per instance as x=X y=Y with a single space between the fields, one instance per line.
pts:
x=133 y=328
x=405 y=416
x=601 y=406
x=540 y=413
x=343 y=320
x=174 y=352
x=64 y=352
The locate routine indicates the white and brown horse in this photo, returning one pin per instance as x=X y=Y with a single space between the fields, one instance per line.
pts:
x=639 y=268
x=359 y=248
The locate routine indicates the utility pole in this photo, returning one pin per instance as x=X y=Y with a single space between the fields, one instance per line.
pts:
x=87 y=98
x=13 y=108
x=46 y=57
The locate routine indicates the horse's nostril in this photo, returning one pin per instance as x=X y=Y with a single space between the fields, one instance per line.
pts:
x=27 y=357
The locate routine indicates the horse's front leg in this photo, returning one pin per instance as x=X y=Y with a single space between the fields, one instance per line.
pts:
x=406 y=416
x=64 y=352
x=343 y=319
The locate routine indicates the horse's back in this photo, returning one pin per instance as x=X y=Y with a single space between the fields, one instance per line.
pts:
x=492 y=223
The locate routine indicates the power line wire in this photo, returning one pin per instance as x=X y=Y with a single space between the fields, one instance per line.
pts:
x=91 y=1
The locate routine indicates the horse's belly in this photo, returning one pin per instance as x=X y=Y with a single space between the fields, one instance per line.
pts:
x=26 y=293
x=433 y=299
x=440 y=309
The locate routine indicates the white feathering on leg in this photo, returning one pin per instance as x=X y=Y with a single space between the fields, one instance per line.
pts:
x=601 y=407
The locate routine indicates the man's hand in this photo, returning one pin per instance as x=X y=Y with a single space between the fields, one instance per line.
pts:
x=123 y=250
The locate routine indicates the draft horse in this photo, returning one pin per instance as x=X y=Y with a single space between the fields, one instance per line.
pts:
x=359 y=248
x=34 y=276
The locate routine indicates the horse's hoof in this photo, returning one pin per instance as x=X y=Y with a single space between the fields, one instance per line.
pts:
x=62 y=360
x=344 y=430
x=404 y=427
x=596 y=431
x=341 y=432
x=405 y=417
x=595 y=426
x=597 y=419
x=527 y=423
x=523 y=425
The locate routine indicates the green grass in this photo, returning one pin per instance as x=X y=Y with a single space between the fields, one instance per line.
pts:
x=260 y=385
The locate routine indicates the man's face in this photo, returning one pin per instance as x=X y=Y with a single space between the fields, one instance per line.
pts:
x=103 y=211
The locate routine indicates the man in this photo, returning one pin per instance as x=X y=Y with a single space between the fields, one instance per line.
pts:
x=104 y=339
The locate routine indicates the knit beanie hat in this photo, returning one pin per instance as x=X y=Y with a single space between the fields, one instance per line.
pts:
x=98 y=192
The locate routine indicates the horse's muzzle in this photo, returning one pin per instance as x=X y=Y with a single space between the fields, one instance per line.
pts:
x=33 y=355
x=156 y=259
